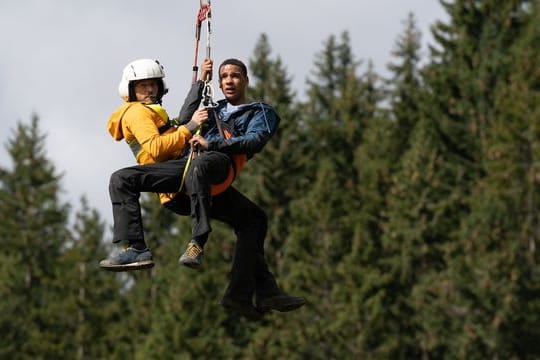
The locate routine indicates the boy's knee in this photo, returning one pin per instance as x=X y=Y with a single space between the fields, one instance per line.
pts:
x=118 y=178
x=199 y=164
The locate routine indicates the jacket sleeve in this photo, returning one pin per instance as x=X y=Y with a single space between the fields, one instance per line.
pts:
x=252 y=137
x=191 y=103
x=159 y=146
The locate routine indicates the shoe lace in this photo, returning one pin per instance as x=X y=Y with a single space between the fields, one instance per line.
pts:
x=129 y=247
x=193 y=250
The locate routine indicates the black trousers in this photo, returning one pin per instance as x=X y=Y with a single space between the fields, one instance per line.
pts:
x=249 y=273
x=127 y=184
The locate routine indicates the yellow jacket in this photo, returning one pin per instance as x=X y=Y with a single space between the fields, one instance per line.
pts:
x=140 y=126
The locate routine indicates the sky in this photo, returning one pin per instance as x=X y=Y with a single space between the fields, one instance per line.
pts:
x=62 y=60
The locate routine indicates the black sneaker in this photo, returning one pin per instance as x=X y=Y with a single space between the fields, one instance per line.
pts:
x=245 y=309
x=192 y=257
x=281 y=302
x=129 y=259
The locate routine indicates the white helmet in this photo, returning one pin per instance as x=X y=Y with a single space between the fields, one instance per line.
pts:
x=139 y=70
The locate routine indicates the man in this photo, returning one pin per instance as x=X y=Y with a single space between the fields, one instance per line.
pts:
x=252 y=125
x=239 y=130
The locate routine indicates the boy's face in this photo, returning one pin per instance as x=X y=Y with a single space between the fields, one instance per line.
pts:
x=146 y=91
x=233 y=83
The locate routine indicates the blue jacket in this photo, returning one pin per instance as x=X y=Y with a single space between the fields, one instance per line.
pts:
x=252 y=126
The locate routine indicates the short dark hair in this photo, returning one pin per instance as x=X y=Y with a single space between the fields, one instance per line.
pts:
x=236 y=62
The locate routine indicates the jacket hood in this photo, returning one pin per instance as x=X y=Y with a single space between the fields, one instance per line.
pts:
x=114 y=125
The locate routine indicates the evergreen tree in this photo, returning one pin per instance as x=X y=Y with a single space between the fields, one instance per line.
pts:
x=493 y=264
x=90 y=297
x=340 y=107
x=477 y=57
x=411 y=245
x=339 y=103
x=32 y=235
x=378 y=303
x=274 y=177
x=404 y=86
x=435 y=194
x=167 y=241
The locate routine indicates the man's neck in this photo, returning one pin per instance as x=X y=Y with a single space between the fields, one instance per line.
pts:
x=237 y=102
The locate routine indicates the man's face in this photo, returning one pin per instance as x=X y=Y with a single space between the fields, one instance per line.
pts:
x=146 y=91
x=233 y=83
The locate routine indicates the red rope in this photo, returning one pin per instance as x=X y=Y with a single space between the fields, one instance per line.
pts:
x=203 y=13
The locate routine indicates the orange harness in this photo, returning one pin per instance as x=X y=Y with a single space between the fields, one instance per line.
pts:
x=239 y=160
x=237 y=165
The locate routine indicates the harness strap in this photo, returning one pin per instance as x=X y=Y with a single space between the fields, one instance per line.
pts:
x=237 y=163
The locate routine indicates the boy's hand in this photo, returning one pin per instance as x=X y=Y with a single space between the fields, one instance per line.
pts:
x=200 y=116
x=198 y=142
x=206 y=69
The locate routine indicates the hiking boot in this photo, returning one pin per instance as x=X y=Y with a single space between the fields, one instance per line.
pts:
x=192 y=257
x=129 y=259
x=281 y=302
x=244 y=308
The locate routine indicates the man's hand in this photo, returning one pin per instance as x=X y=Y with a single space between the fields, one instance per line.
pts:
x=200 y=116
x=198 y=142
x=206 y=69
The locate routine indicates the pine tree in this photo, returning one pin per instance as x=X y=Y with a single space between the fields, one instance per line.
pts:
x=494 y=262
x=32 y=236
x=341 y=104
x=435 y=195
x=274 y=177
x=91 y=298
x=378 y=303
x=405 y=86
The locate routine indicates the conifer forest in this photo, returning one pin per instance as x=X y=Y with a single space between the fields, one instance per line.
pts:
x=405 y=208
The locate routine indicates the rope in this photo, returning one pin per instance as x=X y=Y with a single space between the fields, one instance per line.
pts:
x=205 y=13
x=209 y=103
x=186 y=168
x=208 y=14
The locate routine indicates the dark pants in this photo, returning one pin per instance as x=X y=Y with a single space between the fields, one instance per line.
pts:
x=249 y=271
x=127 y=184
